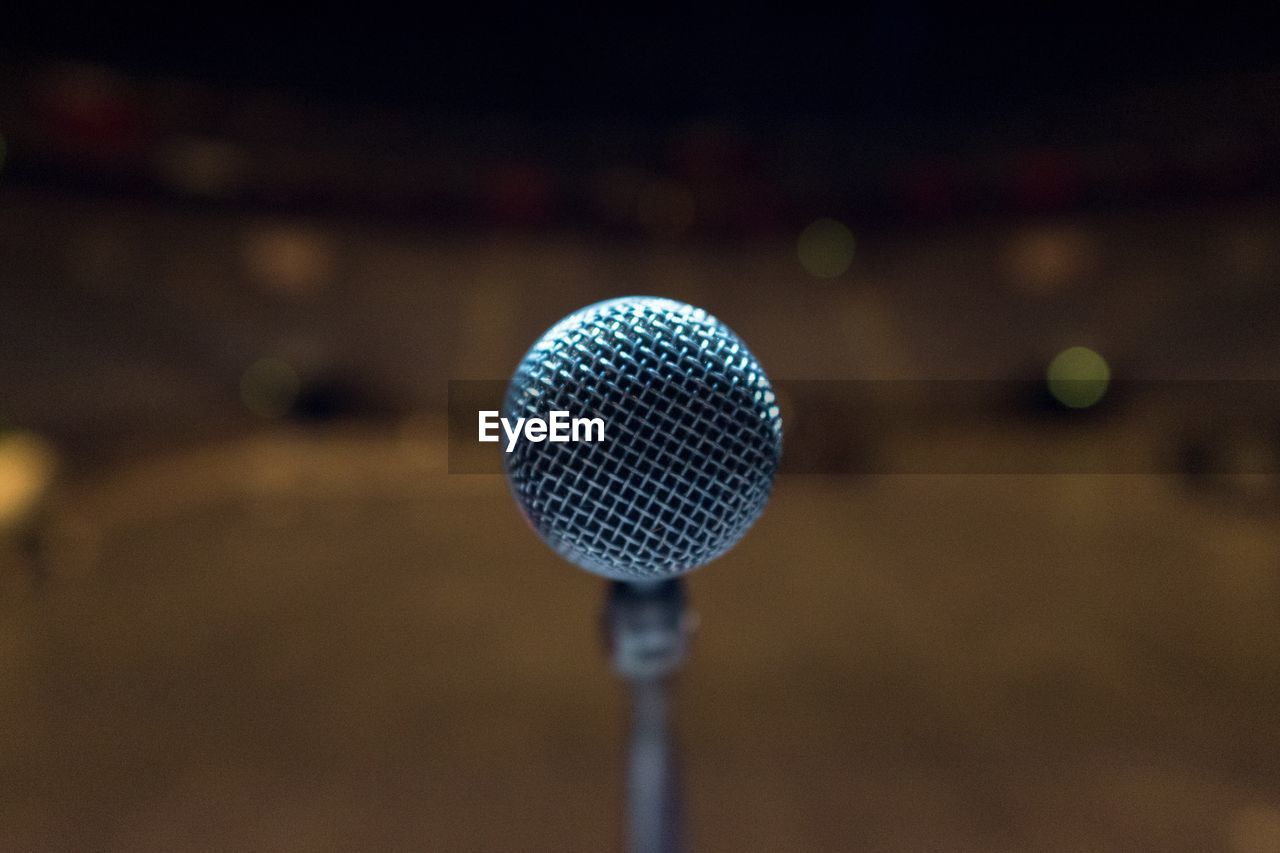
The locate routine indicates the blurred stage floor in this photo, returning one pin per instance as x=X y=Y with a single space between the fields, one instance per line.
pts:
x=318 y=640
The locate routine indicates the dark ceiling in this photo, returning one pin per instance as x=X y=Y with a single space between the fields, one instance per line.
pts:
x=891 y=62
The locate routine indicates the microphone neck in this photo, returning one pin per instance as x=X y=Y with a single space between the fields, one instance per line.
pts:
x=647 y=627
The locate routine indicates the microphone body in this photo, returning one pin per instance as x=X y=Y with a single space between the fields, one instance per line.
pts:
x=692 y=439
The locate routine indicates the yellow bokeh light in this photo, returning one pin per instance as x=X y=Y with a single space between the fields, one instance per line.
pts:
x=825 y=248
x=1078 y=377
x=270 y=387
x=27 y=467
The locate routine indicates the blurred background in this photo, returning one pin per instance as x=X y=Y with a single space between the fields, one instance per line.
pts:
x=244 y=604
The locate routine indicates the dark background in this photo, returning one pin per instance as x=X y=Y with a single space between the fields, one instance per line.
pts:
x=899 y=62
x=245 y=604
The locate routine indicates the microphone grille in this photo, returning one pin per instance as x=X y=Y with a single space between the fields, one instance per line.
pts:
x=692 y=438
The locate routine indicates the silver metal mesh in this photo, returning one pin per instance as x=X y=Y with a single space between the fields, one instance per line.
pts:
x=692 y=438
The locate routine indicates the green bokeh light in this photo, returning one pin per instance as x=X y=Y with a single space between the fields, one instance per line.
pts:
x=1078 y=377
x=825 y=248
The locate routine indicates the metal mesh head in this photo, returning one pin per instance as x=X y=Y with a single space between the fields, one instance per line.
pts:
x=692 y=438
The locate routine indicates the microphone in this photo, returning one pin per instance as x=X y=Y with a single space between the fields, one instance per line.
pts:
x=692 y=438
x=691 y=442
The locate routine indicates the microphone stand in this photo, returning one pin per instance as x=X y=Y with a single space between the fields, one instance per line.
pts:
x=647 y=628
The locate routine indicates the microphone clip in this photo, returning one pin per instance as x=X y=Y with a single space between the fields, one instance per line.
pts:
x=647 y=628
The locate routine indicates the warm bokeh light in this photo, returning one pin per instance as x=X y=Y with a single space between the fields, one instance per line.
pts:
x=270 y=387
x=1256 y=829
x=288 y=261
x=1078 y=377
x=26 y=472
x=201 y=167
x=825 y=248
x=1045 y=260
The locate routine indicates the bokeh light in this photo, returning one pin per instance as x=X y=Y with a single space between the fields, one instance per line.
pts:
x=199 y=166
x=825 y=248
x=1045 y=260
x=289 y=261
x=269 y=387
x=1078 y=377
x=91 y=114
x=27 y=466
x=1256 y=829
